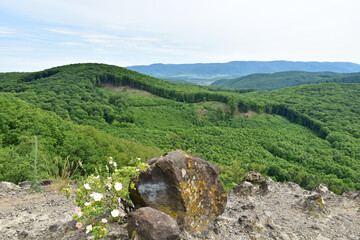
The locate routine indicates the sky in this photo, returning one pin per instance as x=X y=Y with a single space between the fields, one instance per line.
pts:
x=40 y=34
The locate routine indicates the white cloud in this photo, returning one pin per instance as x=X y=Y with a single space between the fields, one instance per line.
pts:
x=70 y=44
x=61 y=31
x=5 y=32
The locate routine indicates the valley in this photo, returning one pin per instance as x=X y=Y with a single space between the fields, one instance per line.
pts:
x=305 y=134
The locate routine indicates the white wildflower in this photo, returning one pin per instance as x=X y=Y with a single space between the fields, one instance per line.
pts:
x=88 y=228
x=97 y=196
x=115 y=213
x=118 y=186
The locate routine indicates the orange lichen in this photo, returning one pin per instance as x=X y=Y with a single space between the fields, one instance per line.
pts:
x=320 y=201
x=193 y=188
x=168 y=210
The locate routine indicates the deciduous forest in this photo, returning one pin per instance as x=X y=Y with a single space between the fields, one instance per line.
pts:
x=307 y=134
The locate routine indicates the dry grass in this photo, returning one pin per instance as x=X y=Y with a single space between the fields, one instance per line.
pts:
x=61 y=171
x=247 y=114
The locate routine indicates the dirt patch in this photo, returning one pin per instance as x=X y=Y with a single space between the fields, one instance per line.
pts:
x=201 y=113
x=128 y=89
x=248 y=114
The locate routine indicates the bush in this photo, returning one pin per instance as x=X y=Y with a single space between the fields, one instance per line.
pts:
x=100 y=198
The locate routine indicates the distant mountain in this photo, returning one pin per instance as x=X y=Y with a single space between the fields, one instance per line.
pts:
x=271 y=81
x=205 y=73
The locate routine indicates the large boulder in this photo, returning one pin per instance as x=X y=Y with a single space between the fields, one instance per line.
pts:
x=150 y=224
x=184 y=186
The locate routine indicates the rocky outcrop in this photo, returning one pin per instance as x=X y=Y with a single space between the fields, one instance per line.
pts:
x=184 y=186
x=252 y=184
x=150 y=224
x=259 y=208
x=34 y=215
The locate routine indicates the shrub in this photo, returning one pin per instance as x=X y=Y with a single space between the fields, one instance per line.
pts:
x=101 y=198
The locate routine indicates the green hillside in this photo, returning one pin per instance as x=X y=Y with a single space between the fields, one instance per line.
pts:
x=336 y=106
x=21 y=121
x=271 y=81
x=286 y=133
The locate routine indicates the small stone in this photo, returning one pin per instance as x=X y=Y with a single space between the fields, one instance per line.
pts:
x=54 y=228
x=23 y=235
x=242 y=219
x=250 y=206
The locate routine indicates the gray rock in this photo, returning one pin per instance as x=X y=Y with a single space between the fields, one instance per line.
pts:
x=8 y=187
x=244 y=188
x=23 y=235
x=150 y=224
x=321 y=189
x=285 y=211
x=254 y=177
x=351 y=194
x=25 y=185
x=54 y=228
x=252 y=184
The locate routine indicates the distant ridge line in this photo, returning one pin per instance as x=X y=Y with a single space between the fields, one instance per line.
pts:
x=213 y=71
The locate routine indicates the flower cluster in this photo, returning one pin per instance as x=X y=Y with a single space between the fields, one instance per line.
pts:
x=100 y=200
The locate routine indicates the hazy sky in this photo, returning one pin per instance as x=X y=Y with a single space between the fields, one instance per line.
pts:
x=39 y=34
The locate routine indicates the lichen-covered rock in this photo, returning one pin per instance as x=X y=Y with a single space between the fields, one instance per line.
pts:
x=314 y=204
x=150 y=224
x=184 y=186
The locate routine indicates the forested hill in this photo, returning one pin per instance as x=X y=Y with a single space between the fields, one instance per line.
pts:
x=271 y=81
x=306 y=134
x=58 y=140
x=204 y=73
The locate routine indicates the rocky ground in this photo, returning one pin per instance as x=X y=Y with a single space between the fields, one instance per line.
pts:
x=257 y=209
x=260 y=208
x=41 y=215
